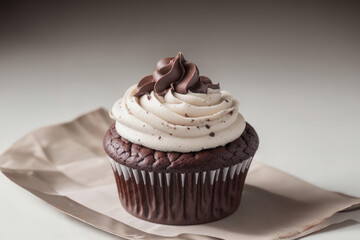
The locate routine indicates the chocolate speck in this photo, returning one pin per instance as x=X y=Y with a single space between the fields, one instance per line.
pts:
x=226 y=100
x=212 y=134
x=192 y=120
x=148 y=97
x=188 y=128
x=198 y=127
x=147 y=112
x=159 y=137
x=170 y=134
x=207 y=126
x=186 y=115
x=231 y=113
x=208 y=120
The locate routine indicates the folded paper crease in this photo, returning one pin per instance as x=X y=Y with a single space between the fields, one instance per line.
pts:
x=66 y=166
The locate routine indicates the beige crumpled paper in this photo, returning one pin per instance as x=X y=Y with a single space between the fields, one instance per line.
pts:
x=66 y=166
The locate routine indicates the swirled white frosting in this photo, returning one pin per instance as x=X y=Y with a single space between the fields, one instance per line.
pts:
x=178 y=122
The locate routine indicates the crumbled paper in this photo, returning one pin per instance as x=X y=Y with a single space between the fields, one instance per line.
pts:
x=66 y=166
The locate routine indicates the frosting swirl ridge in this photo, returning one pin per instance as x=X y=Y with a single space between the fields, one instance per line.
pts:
x=177 y=122
x=177 y=74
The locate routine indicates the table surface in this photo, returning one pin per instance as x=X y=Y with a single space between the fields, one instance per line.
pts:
x=297 y=80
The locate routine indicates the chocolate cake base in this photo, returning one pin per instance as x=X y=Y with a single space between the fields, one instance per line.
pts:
x=140 y=157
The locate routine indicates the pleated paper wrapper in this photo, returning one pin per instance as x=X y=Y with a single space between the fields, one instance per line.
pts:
x=181 y=198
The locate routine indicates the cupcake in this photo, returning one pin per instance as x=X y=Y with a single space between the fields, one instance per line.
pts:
x=179 y=148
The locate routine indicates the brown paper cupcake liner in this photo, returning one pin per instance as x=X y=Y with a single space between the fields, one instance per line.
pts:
x=180 y=198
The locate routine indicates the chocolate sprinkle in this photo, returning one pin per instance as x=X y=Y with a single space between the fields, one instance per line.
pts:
x=207 y=126
x=212 y=134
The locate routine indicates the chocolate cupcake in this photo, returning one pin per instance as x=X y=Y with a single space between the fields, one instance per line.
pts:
x=179 y=149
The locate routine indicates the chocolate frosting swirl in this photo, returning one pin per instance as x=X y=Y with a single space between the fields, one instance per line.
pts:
x=177 y=74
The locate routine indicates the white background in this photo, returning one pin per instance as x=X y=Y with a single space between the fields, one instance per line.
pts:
x=294 y=68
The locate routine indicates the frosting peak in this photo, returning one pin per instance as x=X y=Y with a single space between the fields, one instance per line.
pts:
x=177 y=74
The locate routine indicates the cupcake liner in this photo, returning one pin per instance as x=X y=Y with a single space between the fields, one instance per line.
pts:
x=180 y=198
